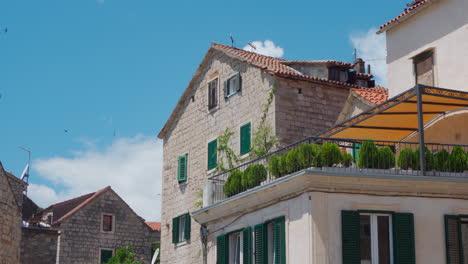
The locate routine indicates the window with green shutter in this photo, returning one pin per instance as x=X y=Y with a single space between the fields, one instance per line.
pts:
x=222 y=250
x=456 y=228
x=260 y=243
x=247 y=245
x=106 y=255
x=279 y=241
x=181 y=227
x=212 y=154
x=182 y=168
x=245 y=139
x=367 y=237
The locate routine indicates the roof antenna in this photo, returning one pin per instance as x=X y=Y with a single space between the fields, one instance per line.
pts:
x=232 y=40
x=355 y=54
x=252 y=46
x=25 y=174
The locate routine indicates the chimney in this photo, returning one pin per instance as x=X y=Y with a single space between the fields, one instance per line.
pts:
x=360 y=66
x=368 y=69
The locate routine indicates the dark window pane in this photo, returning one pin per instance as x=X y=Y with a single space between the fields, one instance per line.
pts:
x=464 y=238
x=107 y=223
x=425 y=69
x=365 y=238
x=384 y=239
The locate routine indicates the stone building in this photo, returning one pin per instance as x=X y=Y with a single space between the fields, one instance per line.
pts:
x=10 y=219
x=93 y=226
x=39 y=245
x=229 y=91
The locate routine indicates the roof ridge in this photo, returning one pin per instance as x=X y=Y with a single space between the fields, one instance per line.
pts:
x=214 y=44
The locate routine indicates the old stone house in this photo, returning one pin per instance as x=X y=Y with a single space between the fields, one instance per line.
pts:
x=93 y=226
x=10 y=219
x=229 y=91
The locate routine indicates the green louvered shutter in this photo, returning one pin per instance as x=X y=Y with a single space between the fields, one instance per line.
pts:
x=350 y=236
x=247 y=245
x=260 y=239
x=222 y=250
x=212 y=154
x=175 y=230
x=182 y=168
x=188 y=225
x=245 y=139
x=453 y=240
x=106 y=255
x=279 y=241
x=403 y=238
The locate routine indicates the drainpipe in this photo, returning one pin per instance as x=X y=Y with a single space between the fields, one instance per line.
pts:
x=57 y=257
x=422 y=153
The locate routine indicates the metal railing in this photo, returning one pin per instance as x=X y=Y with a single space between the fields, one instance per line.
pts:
x=341 y=155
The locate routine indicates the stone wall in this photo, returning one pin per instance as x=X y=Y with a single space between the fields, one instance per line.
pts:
x=18 y=187
x=38 y=245
x=10 y=223
x=81 y=237
x=196 y=126
x=305 y=109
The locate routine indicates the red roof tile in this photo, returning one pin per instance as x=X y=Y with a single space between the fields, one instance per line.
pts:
x=375 y=95
x=406 y=13
x=155 y=226
x=276 y=66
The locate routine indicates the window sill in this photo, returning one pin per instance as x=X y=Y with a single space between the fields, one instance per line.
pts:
x=181 y=243
x=230 y=95
x=245 y=155
x=214 y=109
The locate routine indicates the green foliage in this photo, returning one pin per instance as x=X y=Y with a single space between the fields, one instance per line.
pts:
x=330 y=155
x=441 y=160
x=406 y=159
x=428 y=156
x=457 y=161
x=386 y=159
x=274 y=166
x=225 y=152
x=308 y=155
x=283 y=166
x=124 y=255
x=368 y=155
x=233 y=184
x=263 y=139
x=253 y=176
x=347 y=159
x=292 y=160
x=199 y=194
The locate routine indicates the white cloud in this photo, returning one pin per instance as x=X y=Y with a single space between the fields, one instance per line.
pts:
x=372 y=48
x=131 y=166
x=267 y=48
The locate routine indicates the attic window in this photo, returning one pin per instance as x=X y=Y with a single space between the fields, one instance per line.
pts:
x=107 y=223
x=424 y=68
x=213 y=94
x=232 y=85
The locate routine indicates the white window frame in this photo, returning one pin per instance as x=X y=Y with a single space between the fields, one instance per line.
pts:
x=232 y=245
x=217 y=93
x=182 y=230
x=102 y=223
x=234 y=75
x=100 y=253
x=375 y=236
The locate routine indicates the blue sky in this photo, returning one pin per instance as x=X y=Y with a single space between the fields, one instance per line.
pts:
x=80 y=80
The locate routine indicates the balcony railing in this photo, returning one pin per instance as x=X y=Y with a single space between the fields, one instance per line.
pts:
x=341 y=155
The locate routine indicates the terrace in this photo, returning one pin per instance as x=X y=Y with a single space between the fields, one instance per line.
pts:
x=385 y=141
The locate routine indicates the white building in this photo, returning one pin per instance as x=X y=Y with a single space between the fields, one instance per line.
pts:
x=426 y=44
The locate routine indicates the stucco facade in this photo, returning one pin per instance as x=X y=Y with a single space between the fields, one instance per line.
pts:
x=442 y=26
x=312 y=204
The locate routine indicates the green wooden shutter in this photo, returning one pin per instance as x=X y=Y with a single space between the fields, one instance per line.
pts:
x=350 y=236
x=175 y=230
x=261 y=245
x=188 y=225
x=245 y=139
x=454 y=250
x=279 y=239
x=222 y=250
x=182 y=168
x=212 y=154
x=403 y=238
x=106 y=255
x=247 y=245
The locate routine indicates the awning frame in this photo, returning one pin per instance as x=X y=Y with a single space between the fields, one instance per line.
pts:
x=413 y=95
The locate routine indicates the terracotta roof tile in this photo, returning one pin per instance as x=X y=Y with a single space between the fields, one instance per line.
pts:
x=276 y=66
x=406 y=13
x=375 y=95
x=155 y=226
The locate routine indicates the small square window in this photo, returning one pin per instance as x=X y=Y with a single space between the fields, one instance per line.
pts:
x=424 y=68
x=107 y=223
x=213 y=94
x=181 y=228
x=106 y=255
x=232 y=85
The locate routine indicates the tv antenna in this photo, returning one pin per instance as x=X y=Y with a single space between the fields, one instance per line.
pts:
x=232 y=40
x=25 y=174
x=252 y=46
